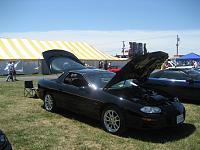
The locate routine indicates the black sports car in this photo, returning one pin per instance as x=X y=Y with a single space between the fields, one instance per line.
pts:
x=4 y=143
x=183 y=83
x=114 y=99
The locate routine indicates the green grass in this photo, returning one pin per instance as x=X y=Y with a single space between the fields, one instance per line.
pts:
x=29 y=127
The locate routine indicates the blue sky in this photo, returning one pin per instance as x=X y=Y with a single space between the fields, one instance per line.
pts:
x=105 y=23
x=46 y=15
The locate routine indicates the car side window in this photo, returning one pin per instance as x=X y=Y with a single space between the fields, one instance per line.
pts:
x=123 y=84
x=178 y=75
x=75 y=79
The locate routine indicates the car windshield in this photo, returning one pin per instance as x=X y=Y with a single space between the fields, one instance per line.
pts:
x=100 y=79
x=124 y=84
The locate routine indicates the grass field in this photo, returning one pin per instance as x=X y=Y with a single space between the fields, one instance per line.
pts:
x=29 y=127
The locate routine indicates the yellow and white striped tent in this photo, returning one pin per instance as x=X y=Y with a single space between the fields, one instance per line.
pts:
x=26 y=49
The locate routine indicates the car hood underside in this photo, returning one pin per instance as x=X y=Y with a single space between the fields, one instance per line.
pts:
x=139 y=67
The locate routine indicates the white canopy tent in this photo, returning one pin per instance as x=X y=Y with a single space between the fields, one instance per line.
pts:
x=28 y=53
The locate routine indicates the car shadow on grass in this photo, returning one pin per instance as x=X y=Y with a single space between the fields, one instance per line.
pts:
x=78 y=117
x=148 y=135
x=162 y=135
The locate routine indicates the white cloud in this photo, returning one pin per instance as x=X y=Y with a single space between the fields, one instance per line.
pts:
x=111 y=41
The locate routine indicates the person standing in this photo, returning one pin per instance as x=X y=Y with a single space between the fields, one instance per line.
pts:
x=10 y=71
x=101 y=65
x=195 y=64
x=165 y=65
x=109 y=65
x=106 y=65
x=14 y=71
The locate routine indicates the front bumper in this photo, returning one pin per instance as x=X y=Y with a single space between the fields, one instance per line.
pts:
x=155 y=121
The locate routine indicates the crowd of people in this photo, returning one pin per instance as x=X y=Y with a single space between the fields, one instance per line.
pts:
x=11 y=72
x=104 y=65
x=193 y=63
x=168 y=63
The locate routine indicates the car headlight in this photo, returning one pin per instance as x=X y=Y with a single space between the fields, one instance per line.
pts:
x=150 y=110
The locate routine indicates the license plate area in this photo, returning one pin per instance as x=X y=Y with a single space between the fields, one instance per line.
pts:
x=179 y=118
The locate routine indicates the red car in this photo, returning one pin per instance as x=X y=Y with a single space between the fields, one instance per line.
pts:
x=114 y=69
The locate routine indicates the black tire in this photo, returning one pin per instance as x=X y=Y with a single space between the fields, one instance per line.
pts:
x=49 y=103
x=115 y=124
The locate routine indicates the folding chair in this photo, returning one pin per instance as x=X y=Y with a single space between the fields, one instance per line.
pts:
x=29 y=90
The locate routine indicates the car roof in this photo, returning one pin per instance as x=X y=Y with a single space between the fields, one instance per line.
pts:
x=173 y=69
x=176 y=69
x=84 y=72
x=90 y=71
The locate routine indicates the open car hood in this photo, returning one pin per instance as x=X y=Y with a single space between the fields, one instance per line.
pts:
x=139 y=67
x=61 y=60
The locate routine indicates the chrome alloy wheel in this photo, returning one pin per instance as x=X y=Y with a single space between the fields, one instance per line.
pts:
x=48 y=102
x=111 y=121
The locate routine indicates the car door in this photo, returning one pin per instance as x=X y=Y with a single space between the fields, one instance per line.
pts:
x=76 y=95
x=68 y=96
x=86 y=99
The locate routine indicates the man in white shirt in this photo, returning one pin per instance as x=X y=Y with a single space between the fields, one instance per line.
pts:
x=10 y=71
